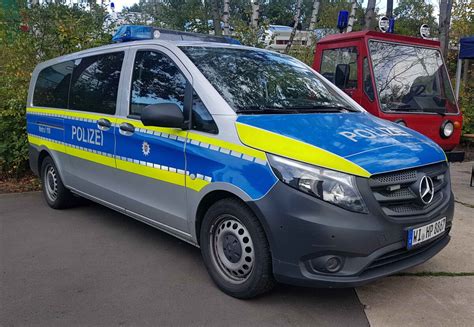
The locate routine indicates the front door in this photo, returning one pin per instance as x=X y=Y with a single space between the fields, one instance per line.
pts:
x=151 y=160
x=89 y=125
x=338 y=60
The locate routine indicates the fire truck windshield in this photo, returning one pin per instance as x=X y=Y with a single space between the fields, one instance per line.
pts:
x=411 y=79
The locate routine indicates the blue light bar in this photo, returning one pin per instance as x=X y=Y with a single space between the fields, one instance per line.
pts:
x=133 y=33
x=391 y=25
x=342 y=20
x=128 y=33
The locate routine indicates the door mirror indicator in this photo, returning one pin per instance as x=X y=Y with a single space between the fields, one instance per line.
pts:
x=163 y=115
x=342 y=75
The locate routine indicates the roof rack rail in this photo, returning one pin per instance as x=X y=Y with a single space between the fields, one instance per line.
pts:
x=127 y=33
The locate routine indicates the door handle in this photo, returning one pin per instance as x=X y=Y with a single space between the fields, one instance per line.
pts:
x=126 y=129
x=104 y=124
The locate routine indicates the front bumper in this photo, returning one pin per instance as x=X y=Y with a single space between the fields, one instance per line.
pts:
x=304 y=231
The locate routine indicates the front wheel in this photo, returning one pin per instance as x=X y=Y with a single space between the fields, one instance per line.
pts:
x=235 y=250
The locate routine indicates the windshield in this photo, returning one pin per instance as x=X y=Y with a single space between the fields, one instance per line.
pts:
x=411 y=79
x=255 y=81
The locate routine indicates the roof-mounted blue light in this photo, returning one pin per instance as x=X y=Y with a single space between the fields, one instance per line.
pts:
x=127 y=33
x=139 y=32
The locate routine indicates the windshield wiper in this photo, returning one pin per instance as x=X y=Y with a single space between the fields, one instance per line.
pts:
x=265 y=110
x=432 y=110
x=293 y=110
x=324 y=108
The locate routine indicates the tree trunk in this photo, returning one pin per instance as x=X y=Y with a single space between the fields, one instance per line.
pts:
x=445 y=7
x=255 y=13
x=370 y=15
x=352 y=16
x=389 y=13
x=314 y=15
x=216 y=17
x=295 y=26
x=225 y=17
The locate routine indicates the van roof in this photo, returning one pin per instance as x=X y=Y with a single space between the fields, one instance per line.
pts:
x=122 y=45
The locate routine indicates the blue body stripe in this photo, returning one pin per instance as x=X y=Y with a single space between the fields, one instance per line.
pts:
x=252 y=177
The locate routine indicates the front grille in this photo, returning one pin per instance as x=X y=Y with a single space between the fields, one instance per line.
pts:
x=397 y=192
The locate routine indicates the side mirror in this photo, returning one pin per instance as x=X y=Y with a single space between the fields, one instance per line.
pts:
x=342 y=75
x=163 y=115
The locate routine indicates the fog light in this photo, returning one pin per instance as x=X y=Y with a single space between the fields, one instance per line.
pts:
x=333 y=264
x=447 y=129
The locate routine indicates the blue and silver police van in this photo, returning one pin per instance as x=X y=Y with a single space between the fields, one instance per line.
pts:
x=250 y=155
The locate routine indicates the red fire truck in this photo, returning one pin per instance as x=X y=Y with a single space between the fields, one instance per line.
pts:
x=395 y=77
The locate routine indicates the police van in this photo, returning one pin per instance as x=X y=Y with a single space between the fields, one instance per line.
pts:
x=277 y=175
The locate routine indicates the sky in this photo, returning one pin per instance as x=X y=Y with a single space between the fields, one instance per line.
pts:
x=381 y=4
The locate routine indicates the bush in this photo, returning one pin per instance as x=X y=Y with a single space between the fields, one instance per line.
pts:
x=29 y=36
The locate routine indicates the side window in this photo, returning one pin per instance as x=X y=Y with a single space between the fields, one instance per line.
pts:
x=201 y=118
x=342 y=56
x=52 y=86
x=95 y=83
x=367 y=80
x=156 y=79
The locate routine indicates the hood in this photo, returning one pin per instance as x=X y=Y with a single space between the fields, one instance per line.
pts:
x=356 y=143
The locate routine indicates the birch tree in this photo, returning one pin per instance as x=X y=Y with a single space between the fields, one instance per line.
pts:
x=225 y=17
x=314 y=14
x=255 y=13
x=352 y=17
x=295 y=26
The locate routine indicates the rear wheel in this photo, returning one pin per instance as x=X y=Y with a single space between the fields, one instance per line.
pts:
x=235 y=250
x=55 y=193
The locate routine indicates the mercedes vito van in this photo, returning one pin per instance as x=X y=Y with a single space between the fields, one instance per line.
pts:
x=250 y=155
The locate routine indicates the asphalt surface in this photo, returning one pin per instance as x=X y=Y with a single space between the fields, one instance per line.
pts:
x=91 y=266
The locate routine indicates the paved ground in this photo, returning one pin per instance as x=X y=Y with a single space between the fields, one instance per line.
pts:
x=93 y=266
x=439 y=292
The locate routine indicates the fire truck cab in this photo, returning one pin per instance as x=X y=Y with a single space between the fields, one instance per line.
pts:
x=398 y=78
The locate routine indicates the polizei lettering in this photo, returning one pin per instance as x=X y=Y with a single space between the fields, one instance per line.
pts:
x=372 y=133
x=87 y=135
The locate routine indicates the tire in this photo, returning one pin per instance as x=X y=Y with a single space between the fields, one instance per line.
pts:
x=56 y=195
x=235 y=250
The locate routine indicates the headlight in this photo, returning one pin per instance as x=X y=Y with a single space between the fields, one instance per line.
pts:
x=325 y=184
x=447 y=129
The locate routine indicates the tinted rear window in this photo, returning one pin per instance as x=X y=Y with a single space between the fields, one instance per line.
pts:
x=95 y=82
x=52 y=86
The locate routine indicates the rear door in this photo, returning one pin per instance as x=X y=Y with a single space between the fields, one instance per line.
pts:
x=90 y=123
x=151 y=160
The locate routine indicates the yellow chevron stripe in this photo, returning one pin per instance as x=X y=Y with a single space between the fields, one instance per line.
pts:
x=50 y=145
x=94 y=157
x=198 y=137
x=173 y=131
x=162 y=175
x=287 y=147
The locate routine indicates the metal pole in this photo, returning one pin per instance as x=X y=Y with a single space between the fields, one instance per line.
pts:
x=458 y=78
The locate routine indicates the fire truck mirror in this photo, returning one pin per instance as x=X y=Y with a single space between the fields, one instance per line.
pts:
x=342 y=75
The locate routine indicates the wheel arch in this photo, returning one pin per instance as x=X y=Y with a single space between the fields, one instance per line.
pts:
x=216 y=194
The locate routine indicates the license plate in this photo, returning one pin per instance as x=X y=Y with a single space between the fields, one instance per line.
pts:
x=424 y=233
